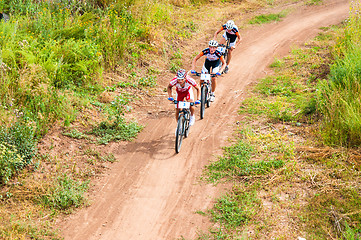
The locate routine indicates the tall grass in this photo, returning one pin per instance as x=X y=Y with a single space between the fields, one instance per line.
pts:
x=339 y=97
x=50 y=49
x=53 y=55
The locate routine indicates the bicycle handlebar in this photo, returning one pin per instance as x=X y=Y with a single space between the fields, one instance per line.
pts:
x=212 y=74
x=222 y=45
x=175 y=102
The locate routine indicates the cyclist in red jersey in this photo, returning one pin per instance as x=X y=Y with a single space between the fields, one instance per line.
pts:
x=183 y=84
x=231 y=33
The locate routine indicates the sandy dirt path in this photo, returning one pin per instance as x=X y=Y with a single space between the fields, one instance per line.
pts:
x=153 y=193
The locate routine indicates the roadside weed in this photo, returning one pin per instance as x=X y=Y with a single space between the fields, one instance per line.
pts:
x=65 y=194
x=266 y=18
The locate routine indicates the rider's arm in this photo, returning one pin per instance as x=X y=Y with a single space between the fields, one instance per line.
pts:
x=239 y=38
x=195 y=60
x=198 y=91
x=169 y=90
x=216 y=33
x=223 y=64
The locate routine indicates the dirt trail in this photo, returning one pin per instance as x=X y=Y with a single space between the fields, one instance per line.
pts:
x=153 y=193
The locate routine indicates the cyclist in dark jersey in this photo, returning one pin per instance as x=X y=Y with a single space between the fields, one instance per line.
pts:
x=231 y=33
x=214 y=60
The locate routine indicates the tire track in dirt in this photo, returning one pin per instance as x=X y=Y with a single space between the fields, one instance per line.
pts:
x=153 y=193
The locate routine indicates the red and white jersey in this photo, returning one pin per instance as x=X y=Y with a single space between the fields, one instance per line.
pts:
x=187 y=86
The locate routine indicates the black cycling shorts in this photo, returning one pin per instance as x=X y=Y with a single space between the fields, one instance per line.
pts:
x=231 y=37
x=208 y=64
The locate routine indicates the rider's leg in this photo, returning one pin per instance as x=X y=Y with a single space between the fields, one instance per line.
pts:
x=190 y=98
x=229 y=56
x=192 y=110
x=176 y=114
x=213 y=84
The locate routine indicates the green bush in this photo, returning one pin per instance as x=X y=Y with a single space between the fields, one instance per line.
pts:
x=21 y=136
x=339 y=98
x=18 y=147
x=65 y=193
x=10 y=162
x=235 y=209
x=339 y=101
x=116 y=131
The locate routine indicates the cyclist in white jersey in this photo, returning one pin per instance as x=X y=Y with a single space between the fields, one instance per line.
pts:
x=231 y=33
x=213 y=60
x=183 y=84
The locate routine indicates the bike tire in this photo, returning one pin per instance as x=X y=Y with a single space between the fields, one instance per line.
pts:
x=226 y=56
x=179 y=134
x=209 y=96
x=203 y=101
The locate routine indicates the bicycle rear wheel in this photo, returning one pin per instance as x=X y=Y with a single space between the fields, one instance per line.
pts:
x=203 y=100
x=226 y=55
x=179 y=133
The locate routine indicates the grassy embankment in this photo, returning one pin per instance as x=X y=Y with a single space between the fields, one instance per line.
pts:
x=295 y=161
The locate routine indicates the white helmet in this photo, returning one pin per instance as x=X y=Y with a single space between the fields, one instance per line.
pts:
x=229 y=24
x=181 y=74
x=213 y=43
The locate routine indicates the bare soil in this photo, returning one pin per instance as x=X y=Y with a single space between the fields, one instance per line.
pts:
x=153 y=193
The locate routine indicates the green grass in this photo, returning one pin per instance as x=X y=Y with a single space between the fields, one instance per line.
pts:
x=267 y=18
x=339 y=96
x=314 y=2
x=65 y=194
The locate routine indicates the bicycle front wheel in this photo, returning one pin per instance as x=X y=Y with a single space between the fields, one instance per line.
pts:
x=179 y=134
x=186 y=124
x=208 y=94
x=203 y=100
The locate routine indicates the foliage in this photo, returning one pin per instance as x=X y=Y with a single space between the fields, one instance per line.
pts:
x=10 y=162
x=118 y=130
x=65 y=194
x=339 y=97
x=18 y=147
x=235 y=209
x=266 y=18
x=21 y=136
x=51 y=51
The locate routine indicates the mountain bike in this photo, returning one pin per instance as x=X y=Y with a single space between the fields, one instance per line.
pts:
x=182 y=123
x=206 y=88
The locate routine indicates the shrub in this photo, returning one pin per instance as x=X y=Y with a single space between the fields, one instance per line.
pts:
x=10 y=162
x=66 y=193
x=21 y=137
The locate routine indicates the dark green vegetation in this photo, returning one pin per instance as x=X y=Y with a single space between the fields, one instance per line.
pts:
x=295 y=161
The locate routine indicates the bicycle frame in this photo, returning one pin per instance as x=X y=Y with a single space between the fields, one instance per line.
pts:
x=182 y=123
x=206 y=88
x=227 y=47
